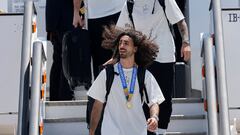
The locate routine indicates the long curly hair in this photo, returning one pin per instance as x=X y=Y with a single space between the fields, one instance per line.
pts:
x=146 y=52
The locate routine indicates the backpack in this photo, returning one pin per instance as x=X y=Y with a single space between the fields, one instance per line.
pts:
x=76 y=56
x=130 y=4
x=76 y=59
x=109 y=80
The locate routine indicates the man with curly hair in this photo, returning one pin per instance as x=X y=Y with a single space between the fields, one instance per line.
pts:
x=123 y=113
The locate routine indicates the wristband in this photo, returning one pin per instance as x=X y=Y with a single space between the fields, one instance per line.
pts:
x=155 y=117
x=186 y=41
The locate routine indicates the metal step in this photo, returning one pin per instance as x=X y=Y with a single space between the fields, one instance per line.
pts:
x=75 y=125
x=187 y=100
x=65 y=127
x=187 y=123
x=187 y=117
x=83 y=119
x=179 y=124
x=58 y=109
x=65 y=120
x=84 y=102
x=188 y=106
x=65 y=109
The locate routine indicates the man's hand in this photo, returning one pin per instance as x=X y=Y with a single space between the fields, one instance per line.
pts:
x=110 y=61
x=78 y=20
x=186 y=51
x=152 y=124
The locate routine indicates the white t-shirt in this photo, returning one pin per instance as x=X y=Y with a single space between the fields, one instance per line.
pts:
x=118 y=119
x=102 y=8
x=154 y=25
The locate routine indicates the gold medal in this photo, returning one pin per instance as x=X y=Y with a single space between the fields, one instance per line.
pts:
x=129 y=105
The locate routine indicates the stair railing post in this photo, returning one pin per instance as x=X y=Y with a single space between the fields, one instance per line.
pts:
x=22 y=127
x=35 y=88
x=210 y=85
x=221 y=70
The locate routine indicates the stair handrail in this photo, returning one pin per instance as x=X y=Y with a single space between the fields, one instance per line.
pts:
x=207 y=52
x=29 y=10
x=221 y=69
x=37 y=60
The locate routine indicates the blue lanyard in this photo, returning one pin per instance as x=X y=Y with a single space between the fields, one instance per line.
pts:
x=129 y=93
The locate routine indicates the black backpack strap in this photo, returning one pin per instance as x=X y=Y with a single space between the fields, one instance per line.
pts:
x=130 y=4
x=141 y=78
x=162 y=3
x=142 y=90
x=109 y=79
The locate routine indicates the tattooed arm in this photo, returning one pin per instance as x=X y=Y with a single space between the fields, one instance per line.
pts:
x=186 y=49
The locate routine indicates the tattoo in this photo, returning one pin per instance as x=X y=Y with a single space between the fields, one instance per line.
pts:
x=183 y=29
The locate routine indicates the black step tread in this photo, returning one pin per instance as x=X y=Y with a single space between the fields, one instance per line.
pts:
x=65 y=120
x=187 y=117
x=66 y=103
x=187 y=100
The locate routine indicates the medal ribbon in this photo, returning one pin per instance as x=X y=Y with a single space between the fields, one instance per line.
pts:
x=128 y=93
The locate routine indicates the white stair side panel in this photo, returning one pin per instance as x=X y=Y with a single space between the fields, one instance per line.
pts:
x=74 y=128
x=56 y=112
x=190 y=125
x=188 y=108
